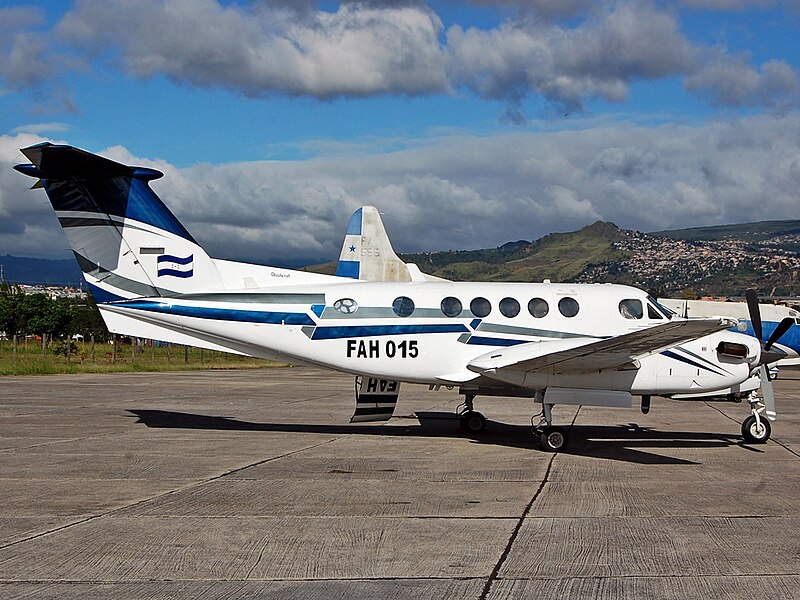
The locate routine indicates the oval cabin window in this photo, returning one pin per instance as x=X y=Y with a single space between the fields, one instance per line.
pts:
x=509 y=307
x=568 y=307
x=538 y=308
x=480 y=307
x=403 y=306
x=451 y=307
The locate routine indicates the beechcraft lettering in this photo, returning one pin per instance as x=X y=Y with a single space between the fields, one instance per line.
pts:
x=386 y=322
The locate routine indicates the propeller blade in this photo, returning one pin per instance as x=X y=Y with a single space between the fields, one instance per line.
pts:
x=755 y=312
x=784 y=326
x=768 y=392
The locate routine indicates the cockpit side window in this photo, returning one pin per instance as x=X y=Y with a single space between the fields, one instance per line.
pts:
x=631 y=308
x=661 y=308
x=652 y=313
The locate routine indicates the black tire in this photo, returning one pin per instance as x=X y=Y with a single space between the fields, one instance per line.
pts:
x=553 y=439
x=473 y=422
x=750 y=431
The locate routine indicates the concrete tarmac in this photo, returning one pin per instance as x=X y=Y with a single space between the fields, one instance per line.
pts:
x=252 y=484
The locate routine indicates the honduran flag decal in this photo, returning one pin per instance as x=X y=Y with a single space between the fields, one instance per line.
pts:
x=175 y=266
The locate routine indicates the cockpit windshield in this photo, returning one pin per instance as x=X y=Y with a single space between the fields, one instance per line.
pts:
x=660 y=308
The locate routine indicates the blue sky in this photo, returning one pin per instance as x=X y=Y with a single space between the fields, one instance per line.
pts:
x=467 y=124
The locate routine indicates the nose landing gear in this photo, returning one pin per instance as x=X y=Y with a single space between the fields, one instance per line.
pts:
x=756 y=428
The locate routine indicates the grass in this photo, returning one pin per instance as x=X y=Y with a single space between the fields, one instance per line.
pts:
x=31 y=360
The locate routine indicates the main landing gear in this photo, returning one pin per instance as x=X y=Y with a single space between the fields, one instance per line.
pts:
x=470 y=419
x=551 y=439
x=756 y=428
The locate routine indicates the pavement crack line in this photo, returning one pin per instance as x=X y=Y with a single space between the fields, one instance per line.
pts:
x=515 y=533
x=507 y=550
x=258 y=560
x=162 y=495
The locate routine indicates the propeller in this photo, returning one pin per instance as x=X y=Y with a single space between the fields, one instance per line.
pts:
x=768 y=354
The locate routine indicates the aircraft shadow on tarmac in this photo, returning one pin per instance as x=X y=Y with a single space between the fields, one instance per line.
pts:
x=628 y=443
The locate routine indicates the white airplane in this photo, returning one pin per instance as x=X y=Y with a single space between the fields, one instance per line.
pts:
x=383 y=320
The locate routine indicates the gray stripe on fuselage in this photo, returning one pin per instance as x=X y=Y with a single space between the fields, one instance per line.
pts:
x=528 y=331
x=384 y=312
x=253 y=298
x=381 y=312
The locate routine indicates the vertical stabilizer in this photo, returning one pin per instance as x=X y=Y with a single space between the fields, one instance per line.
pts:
x=367 y=253
x=127 y=242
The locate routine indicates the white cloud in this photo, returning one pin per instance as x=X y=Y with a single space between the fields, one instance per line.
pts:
x=459 y=192
x=731 y=81
x=599 y=58
x=566 y=52
x=357 y=50
x=40 y=128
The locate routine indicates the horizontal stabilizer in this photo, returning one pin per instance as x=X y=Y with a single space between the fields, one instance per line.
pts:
x=375 y=399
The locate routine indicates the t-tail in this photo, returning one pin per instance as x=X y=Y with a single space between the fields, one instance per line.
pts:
x=127 y=242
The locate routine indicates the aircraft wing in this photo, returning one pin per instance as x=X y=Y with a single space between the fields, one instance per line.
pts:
x=585 y=355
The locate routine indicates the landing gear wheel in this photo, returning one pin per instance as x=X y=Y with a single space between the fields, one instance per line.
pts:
x=473 y=422
x=553 y=439
x=753 y=434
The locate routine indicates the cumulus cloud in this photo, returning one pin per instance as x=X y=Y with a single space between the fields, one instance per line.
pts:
x=567 y=52
x=360 y=49
x=731 y=81
x=23 y=51
x=599 y=58
x=459 y=192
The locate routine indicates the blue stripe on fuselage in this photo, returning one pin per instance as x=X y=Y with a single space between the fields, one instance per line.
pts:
x=220 y=314
x=330 y=333
x=688 y=361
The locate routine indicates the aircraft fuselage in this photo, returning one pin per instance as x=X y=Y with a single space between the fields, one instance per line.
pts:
x=429 y=332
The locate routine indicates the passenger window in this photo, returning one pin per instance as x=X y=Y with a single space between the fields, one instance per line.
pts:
x=403 y=306
x=631 y=309
x=652 y=313
x=451 y=307
x=538 y=308
x=480 y=307
x=346 y=305
x=509 y=307
x=568 y=307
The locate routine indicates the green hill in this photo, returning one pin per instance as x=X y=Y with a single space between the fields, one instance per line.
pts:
x=558 y=256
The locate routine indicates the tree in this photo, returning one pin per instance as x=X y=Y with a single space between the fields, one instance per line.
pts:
x=44 y=315
x=12 y=320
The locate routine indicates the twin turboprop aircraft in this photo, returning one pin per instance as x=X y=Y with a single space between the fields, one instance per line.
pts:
x=383 y=320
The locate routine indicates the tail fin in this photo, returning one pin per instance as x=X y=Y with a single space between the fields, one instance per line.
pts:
x=127 y=242
x=367 y=253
